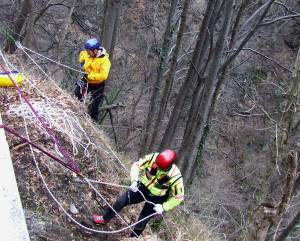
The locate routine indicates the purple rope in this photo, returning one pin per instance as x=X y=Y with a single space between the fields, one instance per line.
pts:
x=71 y=163
x=9 y=72
x=10 y=130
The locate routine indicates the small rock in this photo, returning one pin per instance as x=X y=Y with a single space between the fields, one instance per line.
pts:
x=73 y=209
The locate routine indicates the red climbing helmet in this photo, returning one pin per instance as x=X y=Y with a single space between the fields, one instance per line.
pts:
x=165 y=159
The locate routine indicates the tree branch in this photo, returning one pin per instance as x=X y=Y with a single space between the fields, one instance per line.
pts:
x=46 y=8
x=243 y=42
x=279 y=19
x=111 y=107
x=286 y=7
x=266 y=57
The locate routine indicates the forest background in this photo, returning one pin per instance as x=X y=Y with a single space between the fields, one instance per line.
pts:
x=217 y=81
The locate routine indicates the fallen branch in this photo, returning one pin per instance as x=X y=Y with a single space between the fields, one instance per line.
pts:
x=21 y=144
x=111 y=107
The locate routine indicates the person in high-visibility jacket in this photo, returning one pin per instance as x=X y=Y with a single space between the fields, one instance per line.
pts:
x=155 y=178
x=96 y=64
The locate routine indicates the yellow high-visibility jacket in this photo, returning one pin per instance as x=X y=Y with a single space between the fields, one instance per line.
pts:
x=97 y=68
x=159 y=182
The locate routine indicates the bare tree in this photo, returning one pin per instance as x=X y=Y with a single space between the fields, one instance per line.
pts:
x=289 y=229
x=26 y=8
x=203 y=99
x=171 y=73
x=62 y=33
x=160 y=70
x=110 y=25
x=204 y=83
x=267 y=215
x=193 y=73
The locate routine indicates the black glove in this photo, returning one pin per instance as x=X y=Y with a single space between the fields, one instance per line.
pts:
x=85 y=78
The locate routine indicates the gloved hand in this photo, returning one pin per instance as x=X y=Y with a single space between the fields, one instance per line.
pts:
x=158 y=208
x=134 y=186
x=85 y=78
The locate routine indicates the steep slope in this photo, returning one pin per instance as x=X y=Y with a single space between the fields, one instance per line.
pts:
x=95 y=156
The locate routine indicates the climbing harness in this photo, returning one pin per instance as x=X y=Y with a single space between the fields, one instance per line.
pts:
x=83 y=85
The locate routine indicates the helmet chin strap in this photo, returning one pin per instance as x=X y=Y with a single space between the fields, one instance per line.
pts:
x=94 y=53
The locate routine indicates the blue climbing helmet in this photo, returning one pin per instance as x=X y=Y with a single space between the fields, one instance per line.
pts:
x=92 y=44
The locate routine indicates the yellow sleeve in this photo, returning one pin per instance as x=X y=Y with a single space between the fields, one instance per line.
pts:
x=139 y=165
x=82 y=56
x=102 y=73
x=176 y=196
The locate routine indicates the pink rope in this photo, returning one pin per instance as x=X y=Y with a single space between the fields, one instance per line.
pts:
x=10 y=130
x=71 y=163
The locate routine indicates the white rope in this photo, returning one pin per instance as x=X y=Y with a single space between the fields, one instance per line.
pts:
x=56 y=118
x=107 y=183
x=117 y=158
x=118 y=185
x=59 y=204
x=22 y=48
x=64 y=210
x=53 y=82
x=65 y=118
x=118 y=215
x=88 y=180
x=19 y=45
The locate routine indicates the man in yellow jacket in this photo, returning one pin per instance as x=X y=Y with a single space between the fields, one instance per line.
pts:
x=155 y=178
x=96 y=64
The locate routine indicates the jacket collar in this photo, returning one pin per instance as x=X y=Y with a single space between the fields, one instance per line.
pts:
x=101 y=51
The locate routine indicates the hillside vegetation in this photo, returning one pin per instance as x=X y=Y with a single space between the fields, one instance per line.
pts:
x=98 y=161
x=217 y=81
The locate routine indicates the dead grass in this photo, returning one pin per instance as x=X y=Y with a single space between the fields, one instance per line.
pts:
x=103 y=164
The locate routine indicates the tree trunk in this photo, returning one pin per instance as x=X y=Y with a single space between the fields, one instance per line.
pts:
x=160 y=70
x=201 y=146
x=193 y=74
x=16 y=35
x=110 y=25
x=187 y=148
x=291 y=105
x=195 y=129
x=62 y=33
x=267 y=215
x=170 y=78
x=196 y=98
x=29 y=34
x=290 y=228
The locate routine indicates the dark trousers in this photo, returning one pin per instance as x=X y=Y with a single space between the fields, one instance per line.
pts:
x=129 y=198
x=97 y=92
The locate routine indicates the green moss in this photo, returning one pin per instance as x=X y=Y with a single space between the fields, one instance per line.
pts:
x=156 y=224
x=39 y=210
x=112 y=95
x=125 y=182
x=257 y=76
x=199 y=156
